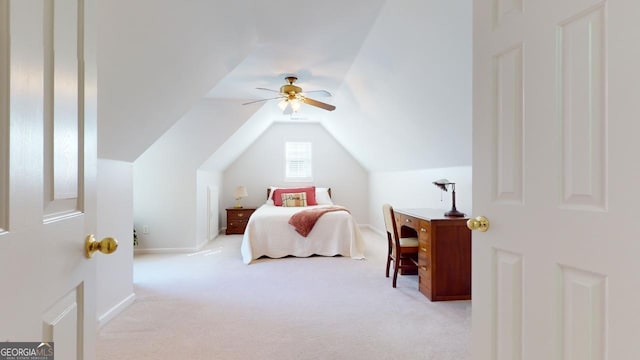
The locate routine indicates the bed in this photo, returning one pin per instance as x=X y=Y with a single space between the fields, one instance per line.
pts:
x=269 y=233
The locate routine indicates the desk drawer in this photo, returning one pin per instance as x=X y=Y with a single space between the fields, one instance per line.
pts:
x=424 y=280
x=423 y=229
x=424 y=259
x=406 y=221
x=424 y=243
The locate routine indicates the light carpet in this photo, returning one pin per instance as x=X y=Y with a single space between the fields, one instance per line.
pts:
x=210 y=305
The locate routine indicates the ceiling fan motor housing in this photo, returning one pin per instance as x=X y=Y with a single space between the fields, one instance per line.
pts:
x=290 y=89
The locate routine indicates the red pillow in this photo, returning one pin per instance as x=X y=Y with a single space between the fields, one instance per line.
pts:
x=310 y=190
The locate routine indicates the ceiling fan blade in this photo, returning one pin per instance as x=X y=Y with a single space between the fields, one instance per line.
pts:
x=318 y=104
x=255 y=101
x=275 y=91
x=319 y=92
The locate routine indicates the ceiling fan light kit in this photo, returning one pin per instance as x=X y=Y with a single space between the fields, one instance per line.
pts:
x=293 y=96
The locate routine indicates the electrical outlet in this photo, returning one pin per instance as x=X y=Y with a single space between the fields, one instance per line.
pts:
x=145 y=229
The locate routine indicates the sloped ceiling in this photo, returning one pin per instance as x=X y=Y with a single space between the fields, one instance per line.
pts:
x=406 y=102
x=400 y=72
x=156 y=58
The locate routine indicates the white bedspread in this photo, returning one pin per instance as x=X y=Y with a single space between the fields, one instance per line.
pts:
x=269 y=233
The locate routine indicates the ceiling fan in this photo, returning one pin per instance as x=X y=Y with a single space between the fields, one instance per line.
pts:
x=292 y=96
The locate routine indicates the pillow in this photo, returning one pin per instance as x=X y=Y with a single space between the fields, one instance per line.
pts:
x=294 y=199
x=322 y=196
x=310 y=191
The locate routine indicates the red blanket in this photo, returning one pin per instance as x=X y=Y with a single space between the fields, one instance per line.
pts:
x=303 y=221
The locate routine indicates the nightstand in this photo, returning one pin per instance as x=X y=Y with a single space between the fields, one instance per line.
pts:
x=237 y=219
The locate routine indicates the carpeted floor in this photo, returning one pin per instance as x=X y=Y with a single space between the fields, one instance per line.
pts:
x=210 y=305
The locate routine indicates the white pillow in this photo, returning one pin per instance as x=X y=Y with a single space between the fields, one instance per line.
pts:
x=322 y=196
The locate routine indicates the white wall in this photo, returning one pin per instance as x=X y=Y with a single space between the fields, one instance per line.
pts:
x=166 y=191
x=115 y=219
x=164 y=202
x=414 y=189
x=262 y=165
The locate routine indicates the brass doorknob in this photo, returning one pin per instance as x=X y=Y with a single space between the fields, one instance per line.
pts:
x=478 y=223
x=106 y=245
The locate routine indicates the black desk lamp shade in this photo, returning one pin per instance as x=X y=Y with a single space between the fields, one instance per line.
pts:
x=442 y=184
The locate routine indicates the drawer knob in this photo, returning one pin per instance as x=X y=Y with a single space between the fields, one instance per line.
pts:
x=423 y=229
x=240 y=214
x=407 y=220
x=423 y=249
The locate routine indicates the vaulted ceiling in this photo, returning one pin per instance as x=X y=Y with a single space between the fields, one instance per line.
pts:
x=400 y=72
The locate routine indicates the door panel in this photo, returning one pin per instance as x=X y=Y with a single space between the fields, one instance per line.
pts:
x=505 y=10
x=509 y=116
x=509 y=306
x=584 y=314
x=60 y=325
x=581 y=72
x=554 y=143
x=51 y=166
x=4 y=113
x=62 y=99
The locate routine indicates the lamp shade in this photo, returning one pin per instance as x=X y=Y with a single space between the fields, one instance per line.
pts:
x=240 y=192
x=443 y=184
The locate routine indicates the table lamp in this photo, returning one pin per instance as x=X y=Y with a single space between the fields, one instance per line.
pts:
x=442 y=184
x=240 y=193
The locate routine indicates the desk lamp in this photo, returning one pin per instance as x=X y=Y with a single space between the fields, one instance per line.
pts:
x=442 y=184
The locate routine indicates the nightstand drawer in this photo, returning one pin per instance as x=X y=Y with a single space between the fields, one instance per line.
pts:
x=237 y=224
x=237 y=220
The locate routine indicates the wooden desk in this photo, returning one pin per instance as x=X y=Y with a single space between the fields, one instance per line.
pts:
x=444 y=254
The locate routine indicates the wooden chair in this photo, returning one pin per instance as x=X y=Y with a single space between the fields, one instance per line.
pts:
x=403 y=251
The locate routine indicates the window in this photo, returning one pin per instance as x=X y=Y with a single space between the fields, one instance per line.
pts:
x=298 y=161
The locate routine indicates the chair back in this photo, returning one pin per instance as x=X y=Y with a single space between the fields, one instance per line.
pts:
x=390 y=224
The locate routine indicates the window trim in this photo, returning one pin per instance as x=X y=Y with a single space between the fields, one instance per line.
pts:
x=309 y=160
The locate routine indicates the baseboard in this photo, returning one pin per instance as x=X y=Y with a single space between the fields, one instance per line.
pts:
x=375 y=230
x=171 y=250
x=164 y=251
x=116 y=310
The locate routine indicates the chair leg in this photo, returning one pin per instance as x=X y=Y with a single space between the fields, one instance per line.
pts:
x=388 y=264
x=395 y=271
x=388 y=258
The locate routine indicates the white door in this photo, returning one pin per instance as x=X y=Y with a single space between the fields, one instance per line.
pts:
x=555 y=171
x=47 y=174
